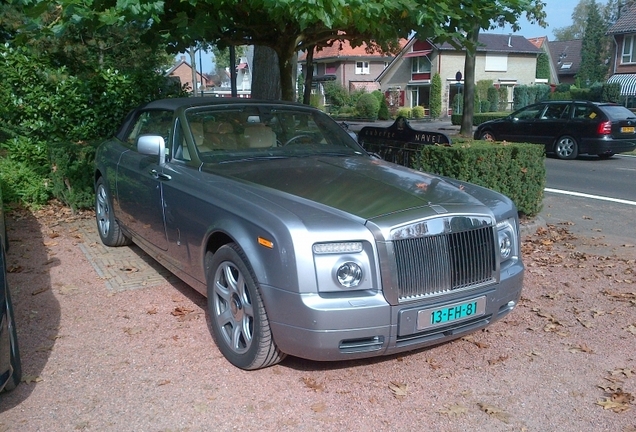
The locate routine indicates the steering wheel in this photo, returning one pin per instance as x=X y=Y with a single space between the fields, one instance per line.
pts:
x=293 y=139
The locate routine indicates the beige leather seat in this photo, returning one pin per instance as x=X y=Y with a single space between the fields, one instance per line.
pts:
x=257 y=135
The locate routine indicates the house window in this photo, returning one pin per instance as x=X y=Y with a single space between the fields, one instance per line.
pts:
x=362 y=68
x=421 y=65
x=330 y=69
x=496 y=62
x=628 y=50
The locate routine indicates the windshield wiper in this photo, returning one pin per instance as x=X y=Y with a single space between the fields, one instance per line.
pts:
x=253 y=158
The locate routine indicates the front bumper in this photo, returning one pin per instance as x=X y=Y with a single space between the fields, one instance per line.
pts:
x=326 y=329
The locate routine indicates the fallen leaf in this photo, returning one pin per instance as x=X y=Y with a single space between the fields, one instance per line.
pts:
x=133 y=330
x=609 y=404
x=319 y=407
x=399 y=390
x=40 y=291
x=495 y=412
x=28 y=379
x=14 y=269
x=499 y=359
x=630 y=329
x=313 y=384
x=582 y=348
x=454 y=410
x=585 y=323
x=163 y=382
x=152 y=311
x=129 y=270
x=622 y=371
x=181 y=311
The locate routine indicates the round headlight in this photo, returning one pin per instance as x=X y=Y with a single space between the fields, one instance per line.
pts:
x=349 y=275
x=505 y=246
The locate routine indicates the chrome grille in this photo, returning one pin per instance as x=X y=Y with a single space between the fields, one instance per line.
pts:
x=444 y=262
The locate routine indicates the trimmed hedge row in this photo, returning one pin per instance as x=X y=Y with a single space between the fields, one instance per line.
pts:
x=479 y=118
x=517 y=170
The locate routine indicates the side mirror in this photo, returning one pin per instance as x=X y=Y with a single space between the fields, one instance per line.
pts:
x=153 y=145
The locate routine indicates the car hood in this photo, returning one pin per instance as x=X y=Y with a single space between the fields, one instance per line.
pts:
x=362 y=186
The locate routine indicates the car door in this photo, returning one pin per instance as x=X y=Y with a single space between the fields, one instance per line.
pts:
x=551 y=122
x=519 y=125
x=139 y=181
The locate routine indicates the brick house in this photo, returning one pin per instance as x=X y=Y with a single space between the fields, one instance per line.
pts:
x=507 y=60
x=353 y=68
x=623 y=61
x=183 y=72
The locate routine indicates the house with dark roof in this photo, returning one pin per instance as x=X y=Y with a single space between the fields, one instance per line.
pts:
x=507 y=60
x=623 y=62
x=566 y=58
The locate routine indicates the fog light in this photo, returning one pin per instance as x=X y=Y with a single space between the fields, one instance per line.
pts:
x=349 y=275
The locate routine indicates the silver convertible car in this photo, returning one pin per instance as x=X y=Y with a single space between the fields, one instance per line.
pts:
x=303 y=243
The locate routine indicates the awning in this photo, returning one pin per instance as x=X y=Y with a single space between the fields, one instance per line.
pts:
x=417 y=53
x=627 y=82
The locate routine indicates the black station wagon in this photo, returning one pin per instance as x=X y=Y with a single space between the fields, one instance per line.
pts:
x=567 y=128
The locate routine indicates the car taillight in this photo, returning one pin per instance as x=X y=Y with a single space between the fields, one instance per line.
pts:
x=605 y=128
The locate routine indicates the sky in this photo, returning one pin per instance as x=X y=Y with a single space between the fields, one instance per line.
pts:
x=559 y=14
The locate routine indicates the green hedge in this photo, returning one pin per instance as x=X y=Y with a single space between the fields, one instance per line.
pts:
x=516 y=170
x=479 y=118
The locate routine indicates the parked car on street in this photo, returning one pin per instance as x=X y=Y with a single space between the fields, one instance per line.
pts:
x=303 y=243
x=10 y=366
x=567 y=128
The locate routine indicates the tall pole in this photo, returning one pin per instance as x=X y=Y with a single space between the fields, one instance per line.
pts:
x=233 y=71
x=201 y=66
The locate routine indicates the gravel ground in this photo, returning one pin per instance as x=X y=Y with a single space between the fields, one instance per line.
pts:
x=101 y=359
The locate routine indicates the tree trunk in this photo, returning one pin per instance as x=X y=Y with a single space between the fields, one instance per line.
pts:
x=468 y=112
x=266 y=82
x=309 y=77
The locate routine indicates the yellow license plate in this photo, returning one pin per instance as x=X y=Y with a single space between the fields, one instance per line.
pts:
x=627 y=129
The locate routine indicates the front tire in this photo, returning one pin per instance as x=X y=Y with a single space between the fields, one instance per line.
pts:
x=109 y=231
x=566 y=148
x=14 y=352
x=237 y=315
x=487 y=136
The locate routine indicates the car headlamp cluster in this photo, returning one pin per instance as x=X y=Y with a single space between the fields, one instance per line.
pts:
x=344 y=263
x=507 y=240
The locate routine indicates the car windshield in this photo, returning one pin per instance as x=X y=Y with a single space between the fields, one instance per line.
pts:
x=251 y=132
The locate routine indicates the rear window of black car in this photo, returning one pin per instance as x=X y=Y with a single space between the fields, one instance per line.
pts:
x=618 y=112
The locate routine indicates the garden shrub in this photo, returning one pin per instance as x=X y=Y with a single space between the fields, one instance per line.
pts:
x=368 y=106
x=417 y=112
x=404 y=112
x=436 y=97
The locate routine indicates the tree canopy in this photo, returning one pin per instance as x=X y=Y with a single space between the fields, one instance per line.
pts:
x=286 y=26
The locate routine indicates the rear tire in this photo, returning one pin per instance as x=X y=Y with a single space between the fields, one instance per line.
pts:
x=237 y=315
x=566 y=148
x=109 y=231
